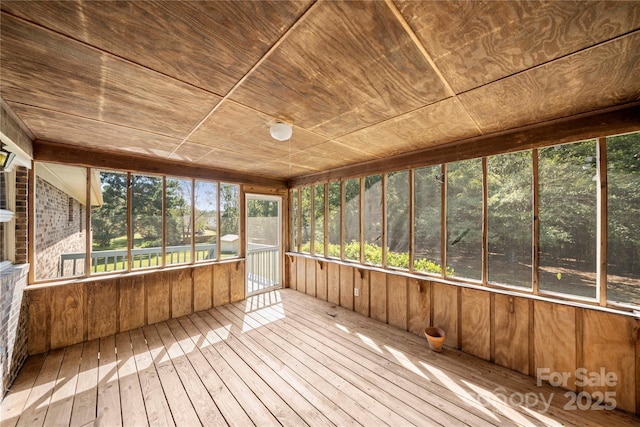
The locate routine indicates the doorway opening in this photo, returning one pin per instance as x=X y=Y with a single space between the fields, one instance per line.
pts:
x=263 y=243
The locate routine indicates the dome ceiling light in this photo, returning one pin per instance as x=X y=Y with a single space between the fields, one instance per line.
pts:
x=281 y=131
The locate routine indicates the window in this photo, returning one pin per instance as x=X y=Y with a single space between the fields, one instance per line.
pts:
x=109 y=222
x=60 y=239
x=567 y=211
x=229 y=220
x=138 y=221
x=206 y=220
x=318 y=220
x=305 y=219
x=510 y=219
x=372 y=219
x=352 y=220
x=464 y=218
x=334 y=222
x=427 y=221
x=397 y=203
x=178 y=221
x=146 y=220
x=623 y=253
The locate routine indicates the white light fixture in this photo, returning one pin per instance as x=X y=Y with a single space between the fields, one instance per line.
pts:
x=6 y=158
x=281 y=131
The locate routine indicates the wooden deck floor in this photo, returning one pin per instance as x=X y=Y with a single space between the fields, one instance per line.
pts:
x=277 y=358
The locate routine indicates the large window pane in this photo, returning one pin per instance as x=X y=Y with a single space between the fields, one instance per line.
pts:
x=305 y=219
x=109 y=222
x=334 y=223
x=206 y=220
x=352 y=219
x=318 y=220
x=372 y=217
x=178 y=221
x=294 y=220
x=60 y=238
x=464 y=218
x=229 y=220
x=623 y=177
x=510 y=219
x=398 y=219
x=146 y=219
x=427 y=221
x=567 y=212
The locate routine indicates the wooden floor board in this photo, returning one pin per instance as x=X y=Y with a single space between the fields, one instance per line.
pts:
x=276 y=405
x=330 y=370
x=320 y=383
x=305 y=410
x=415 y=410
x=448 y=373
x=155 y=401
x=201 y=400
x=276 y=362
x=131 y=399
x=86 y=395
x=396 y=367
x=14 y=402
x=59 y=412
x=432 y=395
x=182 y=410
x=278 y=358
x=109 y=412
x=38 y=402
x=229 y=407
x=477 y=379
x=247 y=397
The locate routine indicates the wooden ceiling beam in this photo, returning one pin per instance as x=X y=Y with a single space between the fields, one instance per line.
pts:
x=610 y=121
x=46 y=151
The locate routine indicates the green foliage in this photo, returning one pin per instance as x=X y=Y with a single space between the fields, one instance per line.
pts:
x=109 y=221
x=373 y=255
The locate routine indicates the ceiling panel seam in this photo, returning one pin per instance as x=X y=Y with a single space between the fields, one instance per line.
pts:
x=559 y=58
x=273 y=47
x=401 y=19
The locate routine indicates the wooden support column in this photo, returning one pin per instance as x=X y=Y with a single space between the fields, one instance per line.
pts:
x=536 y=223
x=384 y=219
x=412 y=212
x=87 y=222
x=601 y=221
x=342 y=206
x=485 y=221
x=361 y=220
x=312 y=220
x=326 y=220
x=31 y=223
x=443 y=222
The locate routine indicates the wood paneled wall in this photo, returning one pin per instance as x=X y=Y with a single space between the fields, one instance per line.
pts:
x=69 y=313
x=519 y=333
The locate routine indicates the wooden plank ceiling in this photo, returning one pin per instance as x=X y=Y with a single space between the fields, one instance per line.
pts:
x=201 y=82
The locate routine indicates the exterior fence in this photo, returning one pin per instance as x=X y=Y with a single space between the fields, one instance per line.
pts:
x=263 y=267
x=109 y=260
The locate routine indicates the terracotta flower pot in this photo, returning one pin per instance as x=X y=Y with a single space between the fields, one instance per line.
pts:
x=436 y=337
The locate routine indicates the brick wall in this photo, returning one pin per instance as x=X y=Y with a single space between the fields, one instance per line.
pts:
x=14 y=321
x=57 y=231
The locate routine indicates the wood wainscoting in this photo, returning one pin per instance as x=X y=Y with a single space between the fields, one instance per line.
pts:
x=518 y=332
x=68 y=313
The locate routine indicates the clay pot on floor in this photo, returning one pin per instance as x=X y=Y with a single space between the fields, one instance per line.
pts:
x=436 y=337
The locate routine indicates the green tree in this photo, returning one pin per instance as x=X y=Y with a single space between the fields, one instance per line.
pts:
x=109 y=221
